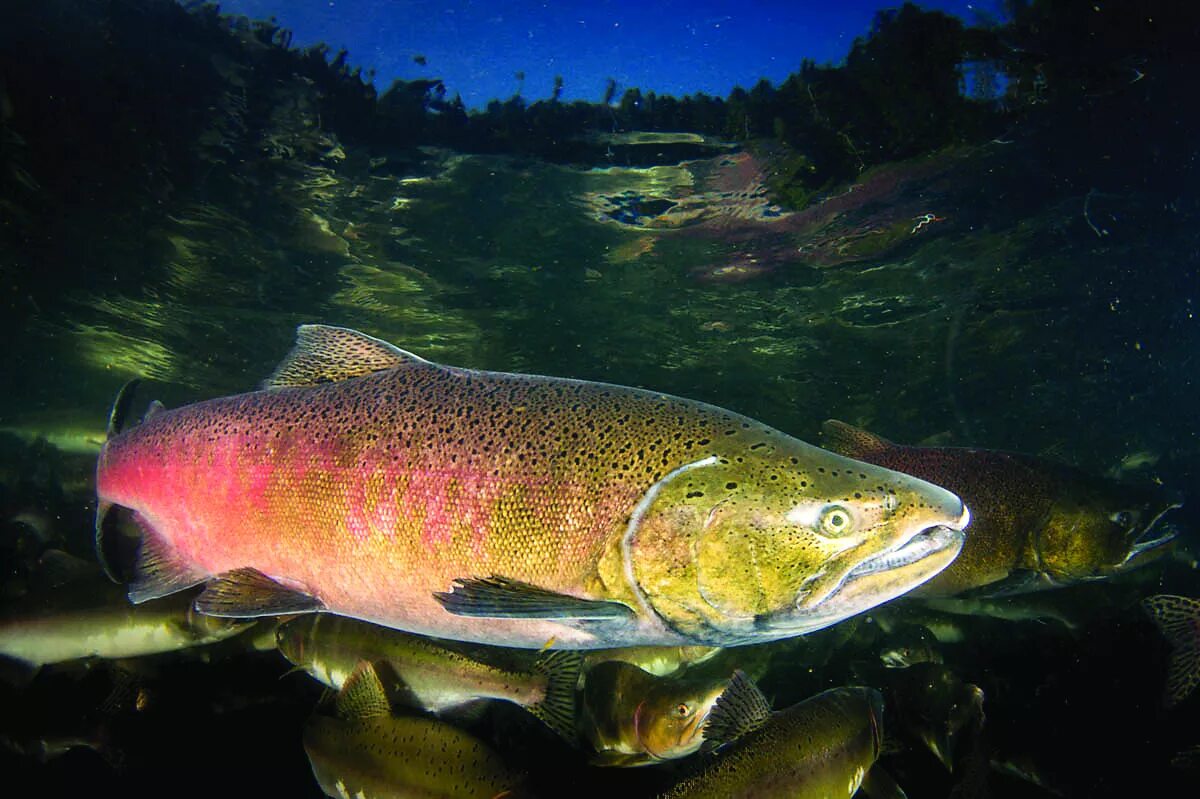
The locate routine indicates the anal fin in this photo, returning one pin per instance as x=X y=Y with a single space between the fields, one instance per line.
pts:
x=500 y=597
x=249 y=594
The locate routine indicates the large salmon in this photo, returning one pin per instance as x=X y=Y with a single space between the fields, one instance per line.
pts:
x=511 y=509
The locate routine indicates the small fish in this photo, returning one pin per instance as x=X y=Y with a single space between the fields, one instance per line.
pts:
x=1178 y=617
x=633 y=718
x=433 y=677
x=909 y=645
x=935 y=706
x=1035 y=523
x=369 y=753
x=818 y=749
x=509 y=509
x=91 y=618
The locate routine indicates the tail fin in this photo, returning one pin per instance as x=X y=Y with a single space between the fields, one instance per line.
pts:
x=557 y=710
x=1178 y=617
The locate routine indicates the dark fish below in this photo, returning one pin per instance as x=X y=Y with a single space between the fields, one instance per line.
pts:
x=633 y=718
x=367 y=752
x=431 y=676
x=820 y=748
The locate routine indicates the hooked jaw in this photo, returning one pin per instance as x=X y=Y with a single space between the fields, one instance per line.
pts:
x=874 y=580
x=906 y=550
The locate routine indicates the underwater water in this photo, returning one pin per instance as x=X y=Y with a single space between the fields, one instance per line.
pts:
x=975 y=234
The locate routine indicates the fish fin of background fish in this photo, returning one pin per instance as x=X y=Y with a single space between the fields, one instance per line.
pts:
x=324 y=354
x=846 y=439
x=941 y=746
x=878 y=784
x=249 y=594
x=739 y=710
x=1178 y=617
x=119 y=413
x=362 y=695
x=160 y=571
x=561 y=669
x=500 y=597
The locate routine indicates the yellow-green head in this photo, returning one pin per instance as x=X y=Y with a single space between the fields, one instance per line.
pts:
x=775 y=538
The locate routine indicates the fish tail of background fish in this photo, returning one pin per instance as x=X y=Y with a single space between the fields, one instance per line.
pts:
x=1178 y=617
x=557 y=710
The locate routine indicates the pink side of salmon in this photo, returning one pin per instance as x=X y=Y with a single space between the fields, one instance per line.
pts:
x=370 y=516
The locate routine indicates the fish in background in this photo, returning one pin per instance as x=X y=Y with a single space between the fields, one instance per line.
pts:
x=431 y=676
x=1034 y=523
x=1178 y=617
x=365 y=750
x=509 y=509
x=932 y=704
x=822 y=747
x=78 y=613
x=907 y=645
x=633 y=718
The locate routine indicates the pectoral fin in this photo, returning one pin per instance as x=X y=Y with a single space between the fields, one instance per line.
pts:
x=160 y=571
x=249 y=594
x=500 y=597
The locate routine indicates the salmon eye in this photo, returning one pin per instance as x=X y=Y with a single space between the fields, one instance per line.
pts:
x=835 y=520
x=1122 y=518
x=682 y=710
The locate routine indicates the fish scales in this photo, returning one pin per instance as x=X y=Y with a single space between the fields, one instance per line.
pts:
x=376 y=491
x=462 y=468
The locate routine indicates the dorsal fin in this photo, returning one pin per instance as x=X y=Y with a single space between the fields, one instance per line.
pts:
x=325 y=354
x=739 y=710
x=846 y=439
x=362 y=695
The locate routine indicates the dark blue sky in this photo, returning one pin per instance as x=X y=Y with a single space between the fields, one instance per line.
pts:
x=671 y=46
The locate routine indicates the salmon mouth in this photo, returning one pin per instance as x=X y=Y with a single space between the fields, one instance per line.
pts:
x=910 y=561
x=876 y=580
x=930 y=541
